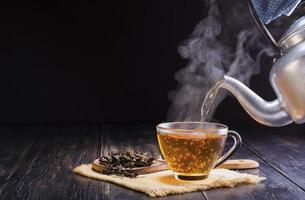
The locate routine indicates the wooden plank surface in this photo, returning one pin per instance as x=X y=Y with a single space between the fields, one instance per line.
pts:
x=15 y=142
x=283 y=149
x=274 y=187
x=36 y=163
x=46 y=172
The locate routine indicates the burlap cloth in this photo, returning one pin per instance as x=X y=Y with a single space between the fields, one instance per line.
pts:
x=164 y=183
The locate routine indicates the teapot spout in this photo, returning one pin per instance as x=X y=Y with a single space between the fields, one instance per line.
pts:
x=267 y=113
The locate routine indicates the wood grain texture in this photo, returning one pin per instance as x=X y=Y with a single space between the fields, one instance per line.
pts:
x=46 y=173
x=274 y=187
x=36 y=163
x=284 y=150
x=15 y=142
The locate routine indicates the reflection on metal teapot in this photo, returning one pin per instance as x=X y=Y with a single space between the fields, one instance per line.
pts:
x=287 y=78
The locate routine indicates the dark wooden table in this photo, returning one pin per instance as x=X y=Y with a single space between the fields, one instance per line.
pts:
x=36 y=162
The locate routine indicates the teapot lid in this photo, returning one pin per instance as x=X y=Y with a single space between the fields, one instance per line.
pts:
x=294 y=34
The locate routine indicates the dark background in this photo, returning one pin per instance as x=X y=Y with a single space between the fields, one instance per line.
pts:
x=97 y=61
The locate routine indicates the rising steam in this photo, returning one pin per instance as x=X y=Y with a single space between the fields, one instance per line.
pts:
x=213 y=50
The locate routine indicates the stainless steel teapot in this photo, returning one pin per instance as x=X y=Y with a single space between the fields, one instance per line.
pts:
x=287 y=78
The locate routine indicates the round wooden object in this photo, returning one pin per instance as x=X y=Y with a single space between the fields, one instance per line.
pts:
x=239 y=164
x=158 y=165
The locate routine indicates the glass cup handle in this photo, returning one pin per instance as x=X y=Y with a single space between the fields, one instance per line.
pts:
x=236 y=145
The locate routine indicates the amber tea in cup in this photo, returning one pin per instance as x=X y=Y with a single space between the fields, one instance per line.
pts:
x=192 y=149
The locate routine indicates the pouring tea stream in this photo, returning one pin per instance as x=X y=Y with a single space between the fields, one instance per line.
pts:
x=287 y=78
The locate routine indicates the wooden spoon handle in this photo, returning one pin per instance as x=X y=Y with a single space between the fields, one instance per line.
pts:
x=239 y=164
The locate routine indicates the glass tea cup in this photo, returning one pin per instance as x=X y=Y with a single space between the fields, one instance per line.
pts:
x=192 y=149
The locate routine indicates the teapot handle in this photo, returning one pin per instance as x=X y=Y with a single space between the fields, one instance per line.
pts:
x=264 y=30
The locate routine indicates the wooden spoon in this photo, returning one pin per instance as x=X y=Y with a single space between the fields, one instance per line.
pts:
x=239 y=164
x=158 y=165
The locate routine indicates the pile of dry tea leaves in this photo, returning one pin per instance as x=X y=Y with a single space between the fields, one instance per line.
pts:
x=121 y=163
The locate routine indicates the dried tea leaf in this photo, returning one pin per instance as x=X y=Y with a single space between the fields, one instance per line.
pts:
x=120 y=163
